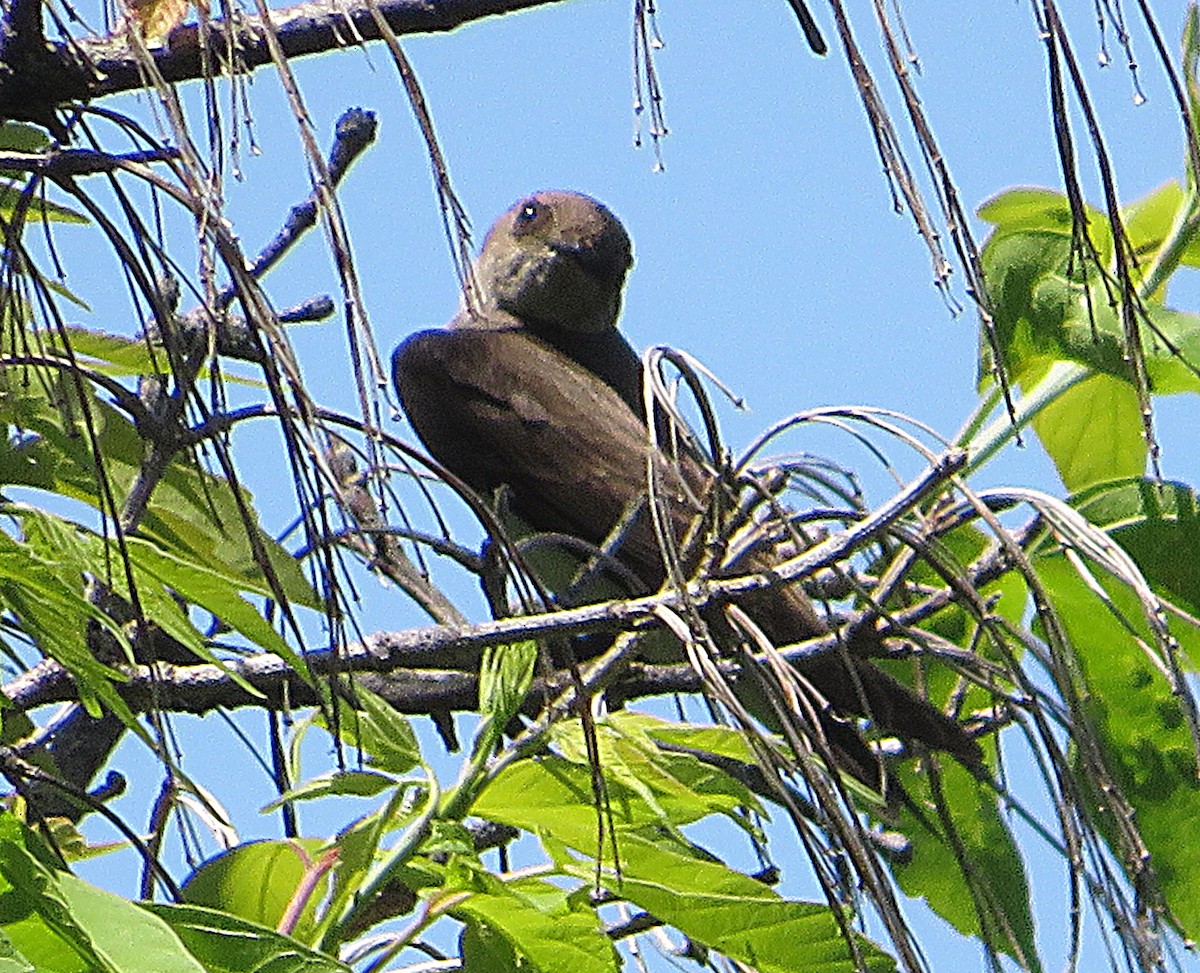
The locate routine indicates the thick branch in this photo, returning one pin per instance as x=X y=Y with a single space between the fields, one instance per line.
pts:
x=94 y=67
x=23 y=63
x=202 y=688
x=448 y=647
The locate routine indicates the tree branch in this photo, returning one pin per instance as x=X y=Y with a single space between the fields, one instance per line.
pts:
x=89 y=68
x=439 y=662
x=427 y=670
x=200 y=689
x=23 y=65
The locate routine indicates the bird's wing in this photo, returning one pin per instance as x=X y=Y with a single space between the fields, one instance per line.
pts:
x=498 y=406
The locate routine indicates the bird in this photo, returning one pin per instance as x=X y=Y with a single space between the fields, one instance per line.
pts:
x=535 y=391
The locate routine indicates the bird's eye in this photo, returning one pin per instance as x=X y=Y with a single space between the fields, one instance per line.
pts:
x=529 y=215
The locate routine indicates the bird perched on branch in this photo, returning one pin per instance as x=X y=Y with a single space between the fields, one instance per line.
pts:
x=537 y=391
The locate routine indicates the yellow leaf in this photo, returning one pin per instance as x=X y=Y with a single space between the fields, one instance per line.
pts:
x=156 y=18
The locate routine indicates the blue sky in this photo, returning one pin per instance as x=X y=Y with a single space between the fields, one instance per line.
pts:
x=767 y=248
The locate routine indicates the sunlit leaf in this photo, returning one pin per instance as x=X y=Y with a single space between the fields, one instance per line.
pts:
x=1153 y=521
x=681 y=781
x=191 y=511
x=554 y=795
x=68 y=919
x=50 y=605
x=1148 y=220
x=338 y=783
x=11 y=959
x=731 y=912
x=227 y=944
x=974 y=878
x=1142 y=727
x=12 y=197
x=256 y=881
x=79 y=552
x=1069 y=429
x=505 y=675
x=1044 y=210
x=549 y=938
x=216 y=592
x=381 y=732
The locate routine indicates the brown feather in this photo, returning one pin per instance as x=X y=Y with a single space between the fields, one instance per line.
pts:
x=539 y=391
x=498 y=406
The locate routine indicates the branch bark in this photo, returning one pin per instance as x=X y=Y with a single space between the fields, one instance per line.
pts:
x=90 y=68
x=455 y=650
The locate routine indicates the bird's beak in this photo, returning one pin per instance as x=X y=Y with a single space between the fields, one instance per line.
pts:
x=605 y=265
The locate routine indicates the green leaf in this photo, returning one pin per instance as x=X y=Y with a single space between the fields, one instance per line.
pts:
x=730 y=912
x=110 y=354
x=77 y=552
x=337 y=783
x=52 y=609
x=358 y=850
x=61 y=289
x=65 y=836
x=1153 y=522
x=553 y=795
x=1142 y=728
x=33 y=912
x=1051 y=303
x=1054 y=304
x=1173 y=350
x=1149 y=220
x=191 y=511
x=380 y=731
x=1028 y=298
x=227 y=944
x=71 y=925
x=505 y=675
x=11 y=959
x=1044 y=211
x=130 y=938
x=1069 y=429
x=682 y=782
x=256 y=881
x=483 y=949
x=74 y=551
x=660 y=872
x=21 y=137
x=216 y=591
x=986 y=894
x=40 y=209
x=722 y=741
x=555 y=938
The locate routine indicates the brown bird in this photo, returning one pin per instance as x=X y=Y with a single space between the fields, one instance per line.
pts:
x=537 y=391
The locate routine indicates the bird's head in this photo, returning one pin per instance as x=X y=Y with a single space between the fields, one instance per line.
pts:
x=556 y=259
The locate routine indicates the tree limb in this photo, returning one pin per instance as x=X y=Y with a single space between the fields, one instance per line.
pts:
x=89 y=68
